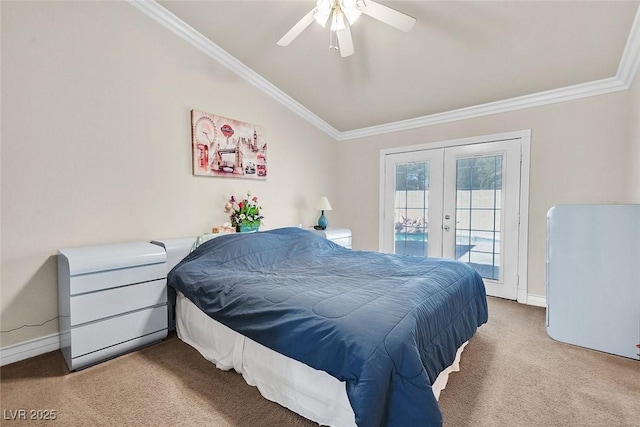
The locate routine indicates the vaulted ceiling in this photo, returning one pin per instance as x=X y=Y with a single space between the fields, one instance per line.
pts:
x=460 y=56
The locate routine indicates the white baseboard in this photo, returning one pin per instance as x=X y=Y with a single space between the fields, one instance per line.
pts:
x=24 y=350
x=531 y=299
x=537 y=300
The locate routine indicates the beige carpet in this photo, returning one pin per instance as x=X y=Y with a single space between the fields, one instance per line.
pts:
x=512 y=374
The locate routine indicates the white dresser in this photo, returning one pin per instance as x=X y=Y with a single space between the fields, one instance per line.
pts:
x=112 y=299
x=341 y=236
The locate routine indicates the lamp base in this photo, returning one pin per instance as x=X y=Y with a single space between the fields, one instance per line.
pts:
x=322 y=221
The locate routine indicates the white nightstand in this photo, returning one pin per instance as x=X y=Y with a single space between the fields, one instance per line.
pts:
x=176 y=250
x=112 y=299
x=341 y=236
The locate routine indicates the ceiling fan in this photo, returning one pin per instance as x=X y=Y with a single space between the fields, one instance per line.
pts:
x=342 y=14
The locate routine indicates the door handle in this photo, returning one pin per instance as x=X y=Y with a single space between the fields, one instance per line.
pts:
x=446 y=228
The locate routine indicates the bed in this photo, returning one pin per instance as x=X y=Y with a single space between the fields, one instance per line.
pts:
x=362 y=336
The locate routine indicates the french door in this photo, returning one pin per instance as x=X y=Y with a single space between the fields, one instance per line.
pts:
x=460 y=202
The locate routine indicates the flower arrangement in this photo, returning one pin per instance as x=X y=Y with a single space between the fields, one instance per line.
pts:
x=245 y=212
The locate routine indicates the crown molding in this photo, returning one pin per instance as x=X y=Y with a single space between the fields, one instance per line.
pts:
x=569 y=93
x=630 y=61
x=627 y=70
x=195 y=38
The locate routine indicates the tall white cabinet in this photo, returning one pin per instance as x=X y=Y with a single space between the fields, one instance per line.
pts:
x=112 y=299
x=593 y=277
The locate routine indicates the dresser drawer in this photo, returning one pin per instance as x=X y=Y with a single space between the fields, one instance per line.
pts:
x=91 y=259
x=115 y=330
x=91 y=282
x=116 y=350
x=97 y=305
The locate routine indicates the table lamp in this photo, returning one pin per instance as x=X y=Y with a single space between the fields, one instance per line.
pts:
x=323 y=205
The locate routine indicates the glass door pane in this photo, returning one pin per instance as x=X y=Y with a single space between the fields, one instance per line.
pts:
x=412 y=214
x=411 y=209
x=478 y=223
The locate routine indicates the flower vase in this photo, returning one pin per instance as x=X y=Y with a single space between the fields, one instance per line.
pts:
x=247 y=228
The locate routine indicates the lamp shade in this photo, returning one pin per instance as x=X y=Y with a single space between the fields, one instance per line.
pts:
x=323 y=204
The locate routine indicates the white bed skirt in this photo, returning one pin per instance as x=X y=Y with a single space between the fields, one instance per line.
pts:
x=309 y=392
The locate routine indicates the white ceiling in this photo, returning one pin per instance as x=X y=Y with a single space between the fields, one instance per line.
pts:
x=459 y=54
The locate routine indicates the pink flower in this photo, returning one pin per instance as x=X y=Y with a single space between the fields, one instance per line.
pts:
x=255 y=199
x=232 y=199
x=228 y=207
x=240 y=205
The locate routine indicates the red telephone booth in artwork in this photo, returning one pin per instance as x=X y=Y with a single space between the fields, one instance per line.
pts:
x=203 y=153
x=261 y=167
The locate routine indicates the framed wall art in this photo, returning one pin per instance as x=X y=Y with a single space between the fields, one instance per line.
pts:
x=227 y=147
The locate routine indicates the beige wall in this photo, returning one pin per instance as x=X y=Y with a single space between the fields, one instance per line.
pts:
x=579 y=154
x=96 y=145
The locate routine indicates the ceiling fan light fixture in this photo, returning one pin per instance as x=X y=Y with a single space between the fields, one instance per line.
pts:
x=349 y=9
x=337 y=21
x=323 y=11
x=336 y=11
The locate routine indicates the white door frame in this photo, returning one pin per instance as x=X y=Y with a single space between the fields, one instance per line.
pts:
x=523 y=229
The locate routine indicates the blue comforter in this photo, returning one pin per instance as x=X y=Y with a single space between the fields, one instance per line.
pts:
x=385 y=324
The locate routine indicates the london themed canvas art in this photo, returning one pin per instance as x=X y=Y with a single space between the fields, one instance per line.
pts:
x=227 y=147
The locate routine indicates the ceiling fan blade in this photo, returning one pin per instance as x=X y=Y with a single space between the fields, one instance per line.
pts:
x=345 y=42
x=297 y=29
x=385 y=14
